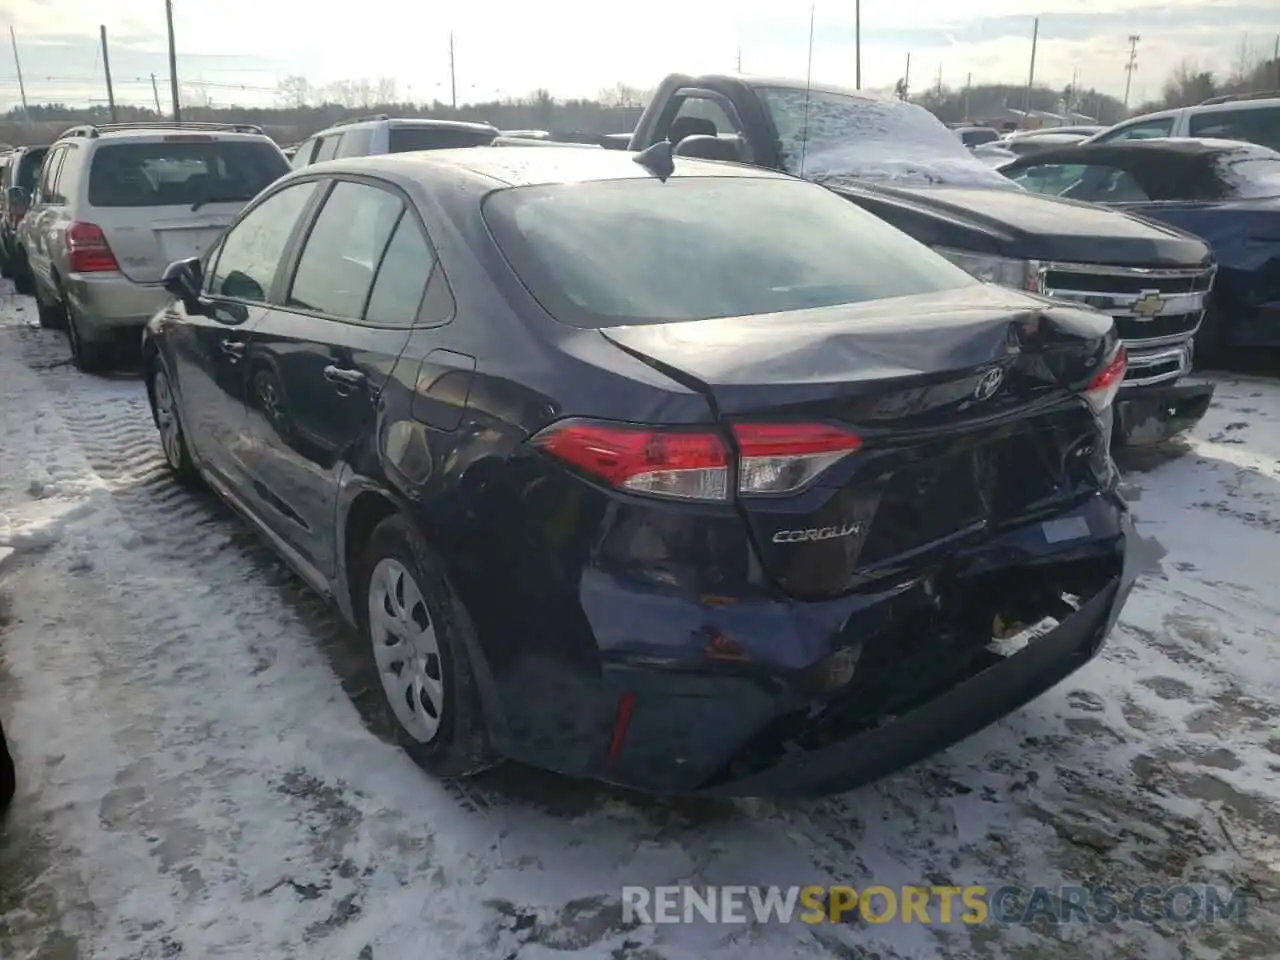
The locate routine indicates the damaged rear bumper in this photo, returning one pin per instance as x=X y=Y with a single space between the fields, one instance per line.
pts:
x=1152 y=414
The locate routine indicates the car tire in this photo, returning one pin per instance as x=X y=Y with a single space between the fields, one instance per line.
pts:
x=8 y=775
x=173 y=438
x=88 y=356
x=50 y=315
x=410 y=616
x=6 y=268
x=23 y=281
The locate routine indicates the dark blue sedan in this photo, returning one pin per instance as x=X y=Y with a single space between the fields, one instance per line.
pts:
x=683 y=475
x=1227 y=192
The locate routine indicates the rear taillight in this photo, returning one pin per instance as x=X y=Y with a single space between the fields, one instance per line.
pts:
x=1104 y=386
x=87 y=249
x=774 y=458
x=784 y=457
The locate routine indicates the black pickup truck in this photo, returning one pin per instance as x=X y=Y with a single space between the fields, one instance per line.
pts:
x=901 y=163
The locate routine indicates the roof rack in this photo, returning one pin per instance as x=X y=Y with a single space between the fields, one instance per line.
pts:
x=351 y=120
x=1233 y=97
x=91 y=130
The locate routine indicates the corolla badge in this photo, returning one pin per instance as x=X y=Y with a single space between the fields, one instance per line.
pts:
x=988 y=384
x=815 y=534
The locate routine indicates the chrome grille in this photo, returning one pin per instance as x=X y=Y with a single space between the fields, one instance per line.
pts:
x=1152 y=307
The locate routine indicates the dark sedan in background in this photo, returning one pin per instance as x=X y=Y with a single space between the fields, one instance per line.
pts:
x=685 y=475
x=1225 y=191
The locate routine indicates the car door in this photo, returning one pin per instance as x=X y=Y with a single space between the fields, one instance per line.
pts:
x=208 y=349
x=40 y=218
x=323 y=353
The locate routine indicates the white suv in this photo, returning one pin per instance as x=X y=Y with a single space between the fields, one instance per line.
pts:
x=1254 y=117
x=380 y=134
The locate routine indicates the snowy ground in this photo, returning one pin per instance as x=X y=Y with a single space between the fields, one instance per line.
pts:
x=200 y=776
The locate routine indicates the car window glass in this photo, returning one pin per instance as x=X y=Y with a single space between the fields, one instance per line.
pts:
x=1098 y=183
x=303 y=156
x=49 y=176
x=1247 y=175
x=701 y=247
x=252 y=249
x=707 y=116
x=1050 y=178
x=402 y=276
x=29 y=170
x=328 y=148
x=179 y=173
x=355 y=143
x=1259 y=125
x=408 y=139
x=1143 y=131
x=342 y=251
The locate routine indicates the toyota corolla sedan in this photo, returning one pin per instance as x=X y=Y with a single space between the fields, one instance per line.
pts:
x=682 y=475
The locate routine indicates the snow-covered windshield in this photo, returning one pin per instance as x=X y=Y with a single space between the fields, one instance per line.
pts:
x=1249 y=174
x=863 y=138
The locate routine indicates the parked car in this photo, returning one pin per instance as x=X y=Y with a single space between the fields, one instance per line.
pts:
x=1254 y=117
x=380 y=134
x=741 y=515
x=16 y=187
x=117 y=203
x=975 y=136
x=1225 y=191
x=900 y=162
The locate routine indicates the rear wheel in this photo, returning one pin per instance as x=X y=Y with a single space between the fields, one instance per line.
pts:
x=23 y=282
x=51 y=314
x=88 y=355
x=173 y=441
x=417 y=632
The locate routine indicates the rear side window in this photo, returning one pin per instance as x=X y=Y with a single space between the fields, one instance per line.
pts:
x=644 y=251
x=402 y=277
x=49 y=176
x=172 y=172
x=356 y=143
x=328 y=148
x=1259 y=125
x=342 y=252
x=408 y=139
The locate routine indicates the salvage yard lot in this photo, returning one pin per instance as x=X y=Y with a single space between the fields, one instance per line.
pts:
x=202 y=776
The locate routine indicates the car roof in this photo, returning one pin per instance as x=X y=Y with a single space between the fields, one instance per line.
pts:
x=529 y=166
x=422 y=123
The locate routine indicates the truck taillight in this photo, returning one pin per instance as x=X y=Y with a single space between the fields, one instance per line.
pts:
x=1104 y=386
x=693 y=464
x=87 y=249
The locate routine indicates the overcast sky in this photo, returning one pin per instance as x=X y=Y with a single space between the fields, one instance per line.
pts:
x=235 y=51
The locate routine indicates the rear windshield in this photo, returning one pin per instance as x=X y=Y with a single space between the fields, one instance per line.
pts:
x=1248 y=176
x=29 y=169
x=643 y=251
x=172 y=172
x=408 y=139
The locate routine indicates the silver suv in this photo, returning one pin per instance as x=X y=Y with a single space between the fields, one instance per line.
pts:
x=381 y=134
x=115 y=204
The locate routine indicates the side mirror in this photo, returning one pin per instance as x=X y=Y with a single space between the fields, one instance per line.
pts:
x=17 y=197
x=183 y=279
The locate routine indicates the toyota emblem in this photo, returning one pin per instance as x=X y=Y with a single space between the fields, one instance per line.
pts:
x=988 y=384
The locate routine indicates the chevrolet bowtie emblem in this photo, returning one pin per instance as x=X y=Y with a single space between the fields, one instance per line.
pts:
x=1148 y=305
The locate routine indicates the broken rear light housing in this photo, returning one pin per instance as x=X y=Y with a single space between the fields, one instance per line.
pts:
x=1102 y=389
x=770 y=459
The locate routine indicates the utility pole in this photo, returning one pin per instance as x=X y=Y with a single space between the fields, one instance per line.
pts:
x=155 y=92
x=739 y=59
x=106 y=68
x=939 y=81
x=968 y=82
x=173 y=64
x=22 y=87
x=1131 y=66
x=857 y=44
x=1275 y=61
x=453 y=76
x=1031 y=76
x=906 y=79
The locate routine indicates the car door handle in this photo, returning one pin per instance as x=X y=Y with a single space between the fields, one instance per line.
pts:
x=344 y=377
x=233 y=349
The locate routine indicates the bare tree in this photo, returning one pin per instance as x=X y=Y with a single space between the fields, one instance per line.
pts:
x=1188 y=85
x=294 y=90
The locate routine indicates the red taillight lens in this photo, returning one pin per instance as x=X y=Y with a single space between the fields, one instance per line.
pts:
x=87 y=249
x=775 y=458
x=685 y=465
x=1104 y=386
x=783 y=457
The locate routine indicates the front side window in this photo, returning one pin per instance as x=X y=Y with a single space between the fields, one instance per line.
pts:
x=184 y=169
x=251 y=251
x=644 y=251
x=343 y=250
x=1260 y=125
x=830 y=136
